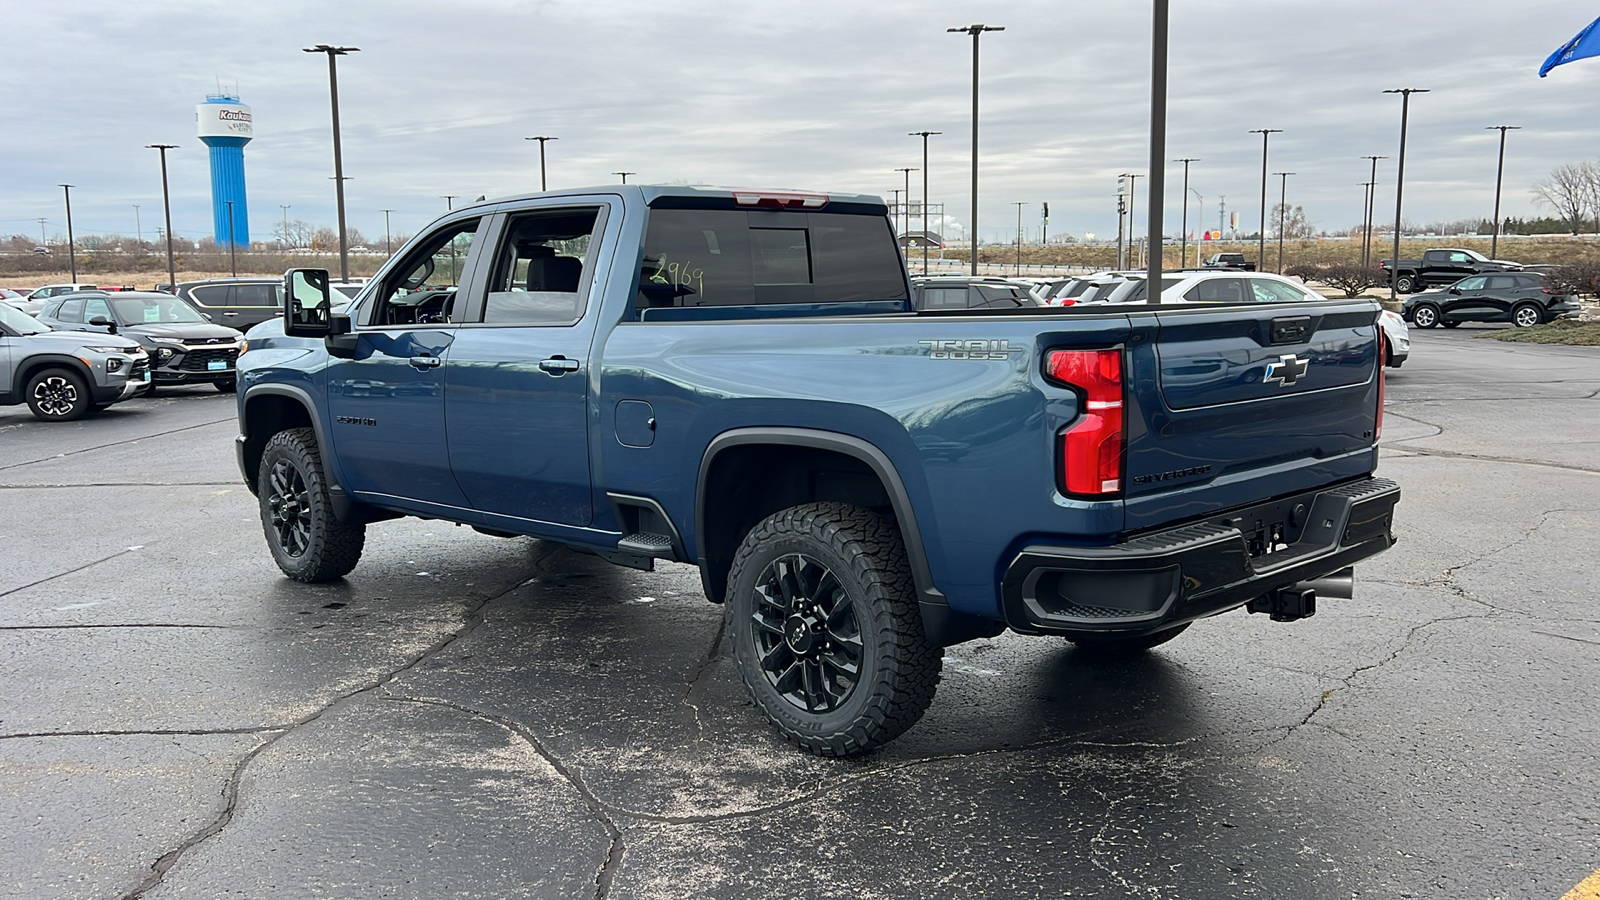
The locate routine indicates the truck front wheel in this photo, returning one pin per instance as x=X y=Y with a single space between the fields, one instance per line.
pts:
x=827 y=634
x=308 y=543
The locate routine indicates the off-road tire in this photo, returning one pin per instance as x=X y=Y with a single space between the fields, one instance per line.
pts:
x=1110 y=645
x=1425 y=315
x=897 y=670
x=59 y=395
x=1526 y=315
x=306 y=541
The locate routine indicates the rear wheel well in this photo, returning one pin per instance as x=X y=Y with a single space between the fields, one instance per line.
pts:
x=265 y=416
x=746 y=483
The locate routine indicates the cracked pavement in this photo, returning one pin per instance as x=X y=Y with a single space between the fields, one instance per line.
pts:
x=468 y=717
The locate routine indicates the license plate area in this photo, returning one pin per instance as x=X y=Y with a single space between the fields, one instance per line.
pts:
x=216 y=365
x=1274 y=526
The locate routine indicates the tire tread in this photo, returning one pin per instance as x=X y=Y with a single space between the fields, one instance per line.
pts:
x=335 y=548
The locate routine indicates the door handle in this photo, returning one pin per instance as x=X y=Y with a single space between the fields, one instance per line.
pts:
x=557 y=365
x=425 y=362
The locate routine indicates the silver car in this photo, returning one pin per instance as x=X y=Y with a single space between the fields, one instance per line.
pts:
x=66 y=375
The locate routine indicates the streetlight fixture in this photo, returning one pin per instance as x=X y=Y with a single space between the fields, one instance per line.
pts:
x=1499 y=175
x=907 y=170
x=976 y=30
x=166 y=205
x=388 y=243
x=72 y=253
x=1400 y=173
x=924 y=135
x=233 y=260
x=1183 y=238
x=624 y=175
x=1283 y=194
x=1261 y=232
x=449 y=201
x=1019 y=204
x=338 y=157
x=1372 y=209
x=542 y=139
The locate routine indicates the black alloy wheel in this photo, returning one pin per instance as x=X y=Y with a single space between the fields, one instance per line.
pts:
x=826 y=630
x=1425 y=315
x=59 y=395
x=307 y=541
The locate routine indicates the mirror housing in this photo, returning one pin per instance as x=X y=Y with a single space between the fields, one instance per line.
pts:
x=307 y=301
x=103 y=322
x=1454 y=290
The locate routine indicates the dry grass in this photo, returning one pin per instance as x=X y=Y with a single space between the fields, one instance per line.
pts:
x=1561 y=331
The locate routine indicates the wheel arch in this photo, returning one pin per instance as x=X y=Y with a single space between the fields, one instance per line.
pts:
x=31 y=366
x=267 y=410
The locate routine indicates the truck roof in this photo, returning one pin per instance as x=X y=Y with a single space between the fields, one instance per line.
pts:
x=650 y=192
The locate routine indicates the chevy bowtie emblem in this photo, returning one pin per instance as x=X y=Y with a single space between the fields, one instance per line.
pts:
x=1286 y=371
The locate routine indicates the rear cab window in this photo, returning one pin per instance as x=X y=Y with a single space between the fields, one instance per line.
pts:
x=697 y=257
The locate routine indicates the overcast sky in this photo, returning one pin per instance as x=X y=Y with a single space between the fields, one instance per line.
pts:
x=817 y=94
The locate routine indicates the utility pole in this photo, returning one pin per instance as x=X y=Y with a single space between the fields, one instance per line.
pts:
x=1183 y=247
x=1261 y=232
x=287 y=244
x=897 y=207
x=338 y=158
x=72 y=253
x=925 y=135
x=43 y=241
x=976 y=30
x=543 y=185
x=1400 y=175
x=138 y=228
x=1499 y=177
x=388 y=244
x=1283 y=193
x=1133 y=182
x=1019 y=204
x=1372 y=208
x=166 y=206
x=907 y=170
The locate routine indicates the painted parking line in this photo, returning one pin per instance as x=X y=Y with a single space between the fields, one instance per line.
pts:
x=1587 y=889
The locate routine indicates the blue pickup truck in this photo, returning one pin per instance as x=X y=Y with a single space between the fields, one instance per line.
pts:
x=737 y=380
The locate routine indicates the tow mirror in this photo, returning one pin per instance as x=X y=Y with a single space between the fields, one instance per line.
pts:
x=306 y=303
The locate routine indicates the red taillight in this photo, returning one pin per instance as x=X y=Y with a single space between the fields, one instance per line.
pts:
x=781 y=199
x=1091 y=447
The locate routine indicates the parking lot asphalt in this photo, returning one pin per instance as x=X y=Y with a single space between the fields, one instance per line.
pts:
x=467 y=716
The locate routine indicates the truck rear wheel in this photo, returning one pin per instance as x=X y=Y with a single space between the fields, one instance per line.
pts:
x=827 y=633
x=1122 y=645
x=1406 y=284
x=308 y=543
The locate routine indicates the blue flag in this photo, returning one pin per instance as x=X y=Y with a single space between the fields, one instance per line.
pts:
x=1586 y=44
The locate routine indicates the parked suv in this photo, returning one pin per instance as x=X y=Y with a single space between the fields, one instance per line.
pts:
x=235 y=302
x=184 y=348
x=1521 y=298
x=967 y=292
x=65 y=375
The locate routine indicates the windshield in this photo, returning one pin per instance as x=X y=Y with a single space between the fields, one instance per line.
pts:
x=139 y=311
x=19 y=321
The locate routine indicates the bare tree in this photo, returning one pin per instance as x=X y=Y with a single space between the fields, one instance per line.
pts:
x=1295 y=223
x=1572 y=190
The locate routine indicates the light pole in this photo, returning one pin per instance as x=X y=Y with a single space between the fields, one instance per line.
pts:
x=1133 y=183
x=896 y=193
x=1158 y=148
x=138 y=228
x=1366 y=212
x=1019 y=204
x=1400 y=175
x=924 y=135
x=907 y=170
x=976 y=31
x=449 y=201
x=166 y=206
x=388 y=244
x=1283 y=193
x=1261 y=232
x=542 y=139
x=1372 y=209
x=624 y=175
x=1499 y=175
x=233 y=260
x=1202 y=226
x=1183 y=246
x=72 y=254
x=338 y=156
x=286 y=243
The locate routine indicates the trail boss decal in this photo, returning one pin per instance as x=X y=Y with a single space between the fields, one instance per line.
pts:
x=1000 y=349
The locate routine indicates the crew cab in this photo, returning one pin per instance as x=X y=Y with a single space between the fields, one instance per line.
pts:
x=1229 y=261
x=1441 y=267
x=738 y=380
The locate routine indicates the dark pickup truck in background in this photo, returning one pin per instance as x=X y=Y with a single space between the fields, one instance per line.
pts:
x=738 y=380
x=1441 y=267
x=1230 y=261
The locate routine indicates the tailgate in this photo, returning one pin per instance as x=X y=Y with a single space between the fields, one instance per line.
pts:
x=1235 y=405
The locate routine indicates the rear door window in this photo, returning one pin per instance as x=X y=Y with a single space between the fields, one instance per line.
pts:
x=1217 y=290
x=71 y=311
x=1501 y=283
x=735 y=257
x=210 y=295
x=944 y=298
x=1264 y=290
x=540 y=268
x=254 y=295
x=998 y=297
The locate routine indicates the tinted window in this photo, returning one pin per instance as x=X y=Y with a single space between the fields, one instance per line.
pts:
x=540 y=268
x=1217 y=290
x=1474 y=283
x=738 y=258
x=211 y=295
x=254 y=295
x=997 y=297
x=1264 y=290
x=1501 y=283
x=96 y=306
x=71 y=311
x=944 y=298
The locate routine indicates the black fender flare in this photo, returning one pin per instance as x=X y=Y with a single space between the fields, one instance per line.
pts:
x=34 y=362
